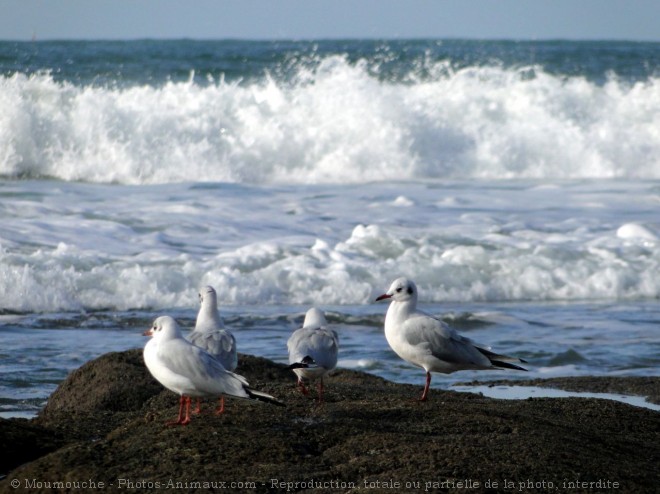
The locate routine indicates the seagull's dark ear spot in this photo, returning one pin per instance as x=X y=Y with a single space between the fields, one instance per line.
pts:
x=410 y=290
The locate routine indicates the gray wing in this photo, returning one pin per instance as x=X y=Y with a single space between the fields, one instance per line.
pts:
x=205 y=371
x=220 y=343
x=443 y=342
x=322 y=344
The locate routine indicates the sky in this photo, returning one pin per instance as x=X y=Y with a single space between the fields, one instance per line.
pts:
x=637 y=20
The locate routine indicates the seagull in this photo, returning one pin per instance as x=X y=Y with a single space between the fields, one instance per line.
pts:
x=190 y=371
x=429 y=343
x=210 y=335
x=313 y=350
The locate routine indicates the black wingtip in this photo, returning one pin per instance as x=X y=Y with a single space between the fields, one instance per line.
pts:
x=258 y=395
x=305 y=363
x=502 y=360
x=507 y=365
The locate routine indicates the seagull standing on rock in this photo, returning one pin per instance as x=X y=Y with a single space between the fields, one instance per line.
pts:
x=190 y=371
x=429 y=343
x=313 y=350
x=211 y=335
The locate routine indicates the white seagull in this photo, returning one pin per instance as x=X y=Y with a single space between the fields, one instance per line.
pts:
x=313 y=350
x=429 y=343
x=190 y=371
x=211 y=335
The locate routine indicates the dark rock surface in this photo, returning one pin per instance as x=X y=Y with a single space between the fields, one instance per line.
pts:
x=105 y=424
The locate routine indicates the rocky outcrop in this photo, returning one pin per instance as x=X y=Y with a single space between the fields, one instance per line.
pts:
x=106 y=424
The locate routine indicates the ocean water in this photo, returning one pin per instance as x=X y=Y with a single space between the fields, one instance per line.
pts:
x=518 y=183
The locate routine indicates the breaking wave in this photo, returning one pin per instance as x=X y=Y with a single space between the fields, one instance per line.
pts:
x=334 y=123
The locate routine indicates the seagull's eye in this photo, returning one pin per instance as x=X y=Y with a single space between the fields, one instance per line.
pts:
x=398 y=290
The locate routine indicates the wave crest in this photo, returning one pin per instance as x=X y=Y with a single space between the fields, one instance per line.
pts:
x=335 y=123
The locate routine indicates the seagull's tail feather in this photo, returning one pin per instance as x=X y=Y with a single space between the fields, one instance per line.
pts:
x=502 y=361
x=305 y=363
x=266 y=398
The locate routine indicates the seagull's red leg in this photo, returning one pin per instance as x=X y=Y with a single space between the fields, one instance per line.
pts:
x=221 y=406
x=320 y=391
x=198 y=409
x=186 y=421
x=426 y=388
x=178 y=420
x=302 y=387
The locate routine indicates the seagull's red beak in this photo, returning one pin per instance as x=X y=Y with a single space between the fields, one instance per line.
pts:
x=383 y=297
x=148 y=332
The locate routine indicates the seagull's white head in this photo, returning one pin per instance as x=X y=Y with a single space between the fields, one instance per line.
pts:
x=315 y=317
x=164 y=328
x=208 y=297
x=401 y=290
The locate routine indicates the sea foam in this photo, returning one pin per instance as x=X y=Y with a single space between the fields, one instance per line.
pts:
x=336 y=123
